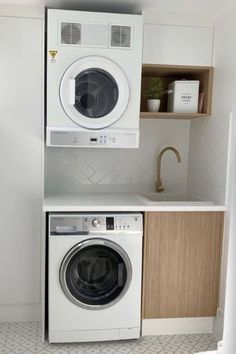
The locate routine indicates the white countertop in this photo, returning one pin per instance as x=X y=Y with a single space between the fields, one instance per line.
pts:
x=96 y=202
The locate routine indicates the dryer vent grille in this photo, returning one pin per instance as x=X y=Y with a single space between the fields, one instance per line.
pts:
x=70 y=33
x=121 y=36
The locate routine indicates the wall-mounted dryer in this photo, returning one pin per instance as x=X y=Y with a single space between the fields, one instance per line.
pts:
x=93 y=79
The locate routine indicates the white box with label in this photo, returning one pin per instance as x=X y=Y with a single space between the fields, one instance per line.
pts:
x=183 y=96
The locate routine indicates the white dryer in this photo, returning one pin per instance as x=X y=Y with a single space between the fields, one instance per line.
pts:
x=94 y=277
x=93 y=79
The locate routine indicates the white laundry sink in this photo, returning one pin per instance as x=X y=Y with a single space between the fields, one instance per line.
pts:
x=173 y=199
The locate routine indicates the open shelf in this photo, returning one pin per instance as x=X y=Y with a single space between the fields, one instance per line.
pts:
x=171 y=115
x=169 y=73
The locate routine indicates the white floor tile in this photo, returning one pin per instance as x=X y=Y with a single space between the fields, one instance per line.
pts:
x=25 y=338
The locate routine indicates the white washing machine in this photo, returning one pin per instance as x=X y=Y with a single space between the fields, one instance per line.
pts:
x=94 y=65
x=94 y=277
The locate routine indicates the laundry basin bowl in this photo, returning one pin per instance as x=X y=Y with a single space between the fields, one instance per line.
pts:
x=173 y=199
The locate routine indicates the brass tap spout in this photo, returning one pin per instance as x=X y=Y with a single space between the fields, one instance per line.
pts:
x=159 y=186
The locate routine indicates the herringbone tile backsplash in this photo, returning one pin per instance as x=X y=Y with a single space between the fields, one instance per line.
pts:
x=71 y=170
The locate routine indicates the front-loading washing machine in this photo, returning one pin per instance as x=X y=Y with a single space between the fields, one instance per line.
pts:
x=94 y=276
x=93 y=79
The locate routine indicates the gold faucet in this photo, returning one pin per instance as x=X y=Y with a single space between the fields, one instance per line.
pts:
x=159 y=186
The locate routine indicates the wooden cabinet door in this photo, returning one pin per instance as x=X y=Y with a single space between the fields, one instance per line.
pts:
x=182 y=253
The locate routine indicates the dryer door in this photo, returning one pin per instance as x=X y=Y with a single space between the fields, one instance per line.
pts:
x=95 y=273
x=94 y=92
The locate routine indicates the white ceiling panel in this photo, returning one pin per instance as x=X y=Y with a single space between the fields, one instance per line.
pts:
x=200 y=7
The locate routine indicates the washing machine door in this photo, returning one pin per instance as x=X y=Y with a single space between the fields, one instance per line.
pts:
x=95 y=274
x=94 y=92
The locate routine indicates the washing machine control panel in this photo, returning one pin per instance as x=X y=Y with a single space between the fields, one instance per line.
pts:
x=72 y=224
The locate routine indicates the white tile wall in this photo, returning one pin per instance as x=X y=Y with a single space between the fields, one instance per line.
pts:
x=208 y=157
x=119 y=170
x=209 y=137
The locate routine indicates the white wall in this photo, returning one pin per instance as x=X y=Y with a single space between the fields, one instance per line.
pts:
x=229 y=339
x=208 y=152
x=21 y=11
x=122 y=170
x=21 y=149
x=226 y=52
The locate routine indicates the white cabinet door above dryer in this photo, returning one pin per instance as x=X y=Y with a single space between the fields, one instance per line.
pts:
x=178 y=45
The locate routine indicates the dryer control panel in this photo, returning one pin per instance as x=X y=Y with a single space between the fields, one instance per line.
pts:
x=62 y=137
x=75 y=224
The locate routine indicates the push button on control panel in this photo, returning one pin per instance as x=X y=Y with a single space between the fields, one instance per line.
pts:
x=102 y=140
x=96 y=222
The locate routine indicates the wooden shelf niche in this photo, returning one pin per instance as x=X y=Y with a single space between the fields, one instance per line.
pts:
x=169 y=73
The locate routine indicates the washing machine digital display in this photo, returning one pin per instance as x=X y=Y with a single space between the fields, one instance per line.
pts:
x=95 y=273
x=110 y=223
x=96 y=93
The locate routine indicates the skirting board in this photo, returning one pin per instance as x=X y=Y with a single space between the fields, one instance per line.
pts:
x=172 y=326
x=20 y=312
x=211 y=352
x=218 y=324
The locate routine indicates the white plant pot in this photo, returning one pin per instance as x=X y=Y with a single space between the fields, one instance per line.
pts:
x=153 y=105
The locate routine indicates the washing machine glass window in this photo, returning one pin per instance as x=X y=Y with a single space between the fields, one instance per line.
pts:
x=95 y=273
x=94 y=92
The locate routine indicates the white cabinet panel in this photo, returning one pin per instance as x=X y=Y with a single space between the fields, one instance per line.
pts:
x=21 y=159
x=177 y=45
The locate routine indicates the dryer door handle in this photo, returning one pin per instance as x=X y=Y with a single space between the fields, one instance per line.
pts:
x=72 y=91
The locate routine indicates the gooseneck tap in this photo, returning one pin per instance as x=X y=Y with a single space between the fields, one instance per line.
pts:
x=159 y=186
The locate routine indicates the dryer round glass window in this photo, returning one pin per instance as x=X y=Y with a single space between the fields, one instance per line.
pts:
x=94 y=92
x=95 y=273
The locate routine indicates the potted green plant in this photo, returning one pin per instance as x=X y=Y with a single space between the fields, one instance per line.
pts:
x=154 y=92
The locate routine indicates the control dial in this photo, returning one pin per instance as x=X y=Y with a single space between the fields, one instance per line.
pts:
x=96 y=222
